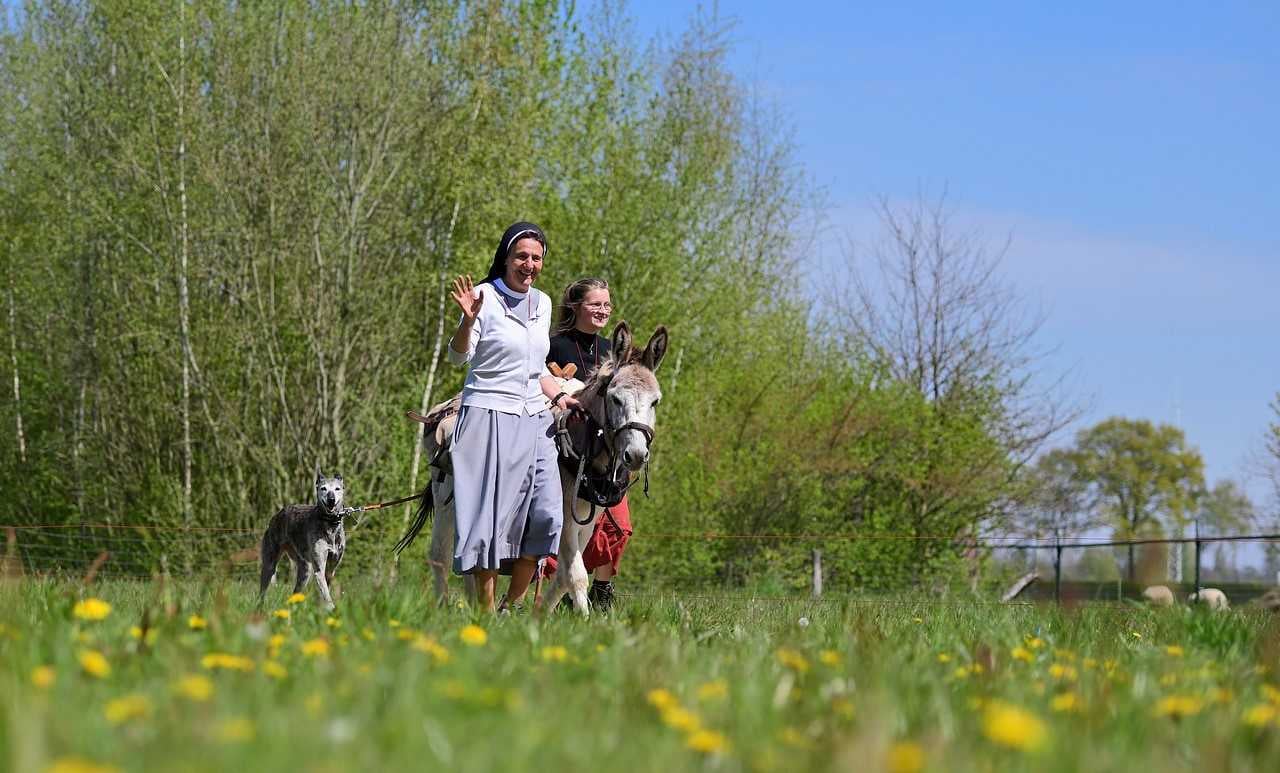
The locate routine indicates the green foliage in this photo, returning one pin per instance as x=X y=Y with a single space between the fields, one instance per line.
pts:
x=227 y=229
x=1141 y=478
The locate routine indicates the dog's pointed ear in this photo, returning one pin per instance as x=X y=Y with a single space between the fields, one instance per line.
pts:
x=319 y=475
x=621 y=343
x=338 y=478
x=656 y=349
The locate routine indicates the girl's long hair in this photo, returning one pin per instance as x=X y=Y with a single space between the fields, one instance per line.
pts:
x=573 y=295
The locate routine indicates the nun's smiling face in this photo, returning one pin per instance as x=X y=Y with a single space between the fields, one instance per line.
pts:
x=524 y=263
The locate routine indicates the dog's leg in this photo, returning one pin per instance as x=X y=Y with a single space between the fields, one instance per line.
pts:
x=270 y=555
x=321 y=559
x=303 y=567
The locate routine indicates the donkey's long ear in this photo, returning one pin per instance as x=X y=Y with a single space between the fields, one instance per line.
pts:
x=621 y=343
x=656 y=349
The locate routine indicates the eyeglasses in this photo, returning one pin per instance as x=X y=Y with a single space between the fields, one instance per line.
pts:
x=598 y=306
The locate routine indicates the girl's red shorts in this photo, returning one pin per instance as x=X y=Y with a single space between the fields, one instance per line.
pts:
x=613 y=529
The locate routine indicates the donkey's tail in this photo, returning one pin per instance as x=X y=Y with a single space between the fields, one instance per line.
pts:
x=425 y=509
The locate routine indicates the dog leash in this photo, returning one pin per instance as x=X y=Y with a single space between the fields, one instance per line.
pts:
x=351 y=510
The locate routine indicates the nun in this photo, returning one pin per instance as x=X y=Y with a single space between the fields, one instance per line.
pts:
x=507 y=496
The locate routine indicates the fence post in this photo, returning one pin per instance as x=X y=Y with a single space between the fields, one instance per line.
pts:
x=1197 y=558
x=817 y=573
x=1057 y=569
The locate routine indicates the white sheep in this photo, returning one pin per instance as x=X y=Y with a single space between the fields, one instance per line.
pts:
x=1158 y=595
x=1214 y=598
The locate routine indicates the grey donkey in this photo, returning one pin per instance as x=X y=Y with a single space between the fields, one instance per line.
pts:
x=311 y=535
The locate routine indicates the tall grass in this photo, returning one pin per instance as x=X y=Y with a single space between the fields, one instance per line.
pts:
x=666 y=683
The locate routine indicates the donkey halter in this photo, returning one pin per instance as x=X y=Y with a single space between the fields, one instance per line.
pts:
x=602 y=431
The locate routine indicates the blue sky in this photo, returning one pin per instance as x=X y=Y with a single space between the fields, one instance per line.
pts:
x=1132 y=150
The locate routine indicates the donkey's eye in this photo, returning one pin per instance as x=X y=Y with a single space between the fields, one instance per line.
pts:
x=655 y=402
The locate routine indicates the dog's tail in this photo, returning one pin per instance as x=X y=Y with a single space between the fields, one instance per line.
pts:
x=426 y=507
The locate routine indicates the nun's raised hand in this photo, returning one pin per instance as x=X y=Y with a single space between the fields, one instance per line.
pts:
x=466 y=299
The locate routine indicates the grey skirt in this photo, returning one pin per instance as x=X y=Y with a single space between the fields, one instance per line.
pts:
x=506 y=489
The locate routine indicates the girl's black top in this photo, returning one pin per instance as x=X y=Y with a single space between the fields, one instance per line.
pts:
x=585 y=350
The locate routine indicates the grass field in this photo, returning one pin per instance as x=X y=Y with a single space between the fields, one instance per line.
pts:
x=184 y=677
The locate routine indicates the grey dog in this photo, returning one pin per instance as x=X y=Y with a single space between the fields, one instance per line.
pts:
x=311 y=535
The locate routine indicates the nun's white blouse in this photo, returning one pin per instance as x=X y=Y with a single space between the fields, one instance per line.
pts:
x=507 y=352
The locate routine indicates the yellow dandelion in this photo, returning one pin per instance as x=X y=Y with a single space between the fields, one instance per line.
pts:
x=1271 y=693
x=707 y=742
x=128 y=708
x=905 y=757
x=333 y=622
x=1023 y=654
x=91 y=609
x=474 y=636
x=792 y=659
x=842 y=707
x=368 y=634
x=1135 y=634
x=236 y=730
x=1066 y=702
x=918 y=619
x=1173 y=651
x=961 y=672
x=554 y=654
x=1168 y=680
x=1260 y=715
x=1064 y=654
x=944 y=657
x=194 y=687
x=789 y=736
x=43 y=677
x=1034 y=642
x=681 y=719
x=221 y=660
x=197 y=623
x=282 y=614
x=406 y=634
x=715 y=690
x=830 y=657
x=94 y=664
x=1089 y=664
x=1013 y=727
x=135 y=632
x=661 y=699
x=1063 y=673
x=273 y=669
x=296 y=598
x=79 y=765
x=276 y=641
x=1221 y=695
x=394 y=623
x=426 y=644
x=1178 y=706
x=316 y=648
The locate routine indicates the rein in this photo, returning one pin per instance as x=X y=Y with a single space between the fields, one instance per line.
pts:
x=595 y=433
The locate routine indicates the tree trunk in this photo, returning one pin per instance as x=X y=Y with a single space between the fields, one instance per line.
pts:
x=184 y=310
x=17 y=380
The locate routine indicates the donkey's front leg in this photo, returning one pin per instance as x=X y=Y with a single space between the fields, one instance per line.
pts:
x=440 y=556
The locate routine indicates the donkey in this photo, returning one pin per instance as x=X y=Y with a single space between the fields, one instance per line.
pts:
x=619 y=403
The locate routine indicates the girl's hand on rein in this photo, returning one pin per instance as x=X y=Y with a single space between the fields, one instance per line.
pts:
x=463 y=295
x=570 y=403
